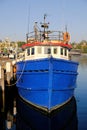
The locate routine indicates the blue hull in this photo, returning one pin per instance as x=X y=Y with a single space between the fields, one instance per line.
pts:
x=46 y=83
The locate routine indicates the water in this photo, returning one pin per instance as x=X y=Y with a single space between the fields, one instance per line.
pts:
x=63 y=119
x=81 y=93
x=72 y=116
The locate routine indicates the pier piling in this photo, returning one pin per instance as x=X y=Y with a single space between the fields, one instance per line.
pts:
x=6 y=78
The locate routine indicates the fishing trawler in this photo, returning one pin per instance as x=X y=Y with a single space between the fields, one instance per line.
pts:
x=46 y=76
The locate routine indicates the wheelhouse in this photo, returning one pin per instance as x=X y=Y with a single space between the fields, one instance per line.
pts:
x=46 y=43
x=39 y=52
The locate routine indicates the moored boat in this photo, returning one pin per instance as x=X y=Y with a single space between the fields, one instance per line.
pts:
x=46 y=76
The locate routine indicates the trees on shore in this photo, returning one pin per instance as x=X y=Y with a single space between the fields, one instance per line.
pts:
x=82 y=46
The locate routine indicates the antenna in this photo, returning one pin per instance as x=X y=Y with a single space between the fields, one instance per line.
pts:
x=28 y=18
x=28 y=27
x=66 y=28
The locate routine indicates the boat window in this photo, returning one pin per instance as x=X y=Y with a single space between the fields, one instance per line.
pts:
x=61 y=51
x=65 y=52
x=39 y=50
x=28 y=51
x=32 y=51
x=47 y=50
x=55 y=51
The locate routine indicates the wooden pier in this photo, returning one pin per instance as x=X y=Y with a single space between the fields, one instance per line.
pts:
x=7 y=76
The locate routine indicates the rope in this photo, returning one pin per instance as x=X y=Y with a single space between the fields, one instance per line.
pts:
x=19 y=76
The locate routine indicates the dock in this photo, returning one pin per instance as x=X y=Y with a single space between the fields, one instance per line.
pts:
x=7 y=75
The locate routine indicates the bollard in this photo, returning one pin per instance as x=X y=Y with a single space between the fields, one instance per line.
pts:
x=9 y=121
x=8 y=124
x=8 y=72
x=2 y=78
x=0 y=72
x=14 y=108
x=2 y=85
x=14 y=112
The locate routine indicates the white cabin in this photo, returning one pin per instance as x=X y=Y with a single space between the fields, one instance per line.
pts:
x=39 y=52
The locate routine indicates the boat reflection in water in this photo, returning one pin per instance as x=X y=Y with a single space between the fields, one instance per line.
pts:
x=64 y=118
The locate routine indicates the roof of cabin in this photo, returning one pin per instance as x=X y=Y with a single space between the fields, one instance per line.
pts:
x=47 y=44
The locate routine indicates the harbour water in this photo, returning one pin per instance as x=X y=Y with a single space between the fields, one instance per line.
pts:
x=81 y=93
x=72 y=116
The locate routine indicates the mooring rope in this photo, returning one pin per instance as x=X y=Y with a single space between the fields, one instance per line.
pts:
x=19 y=76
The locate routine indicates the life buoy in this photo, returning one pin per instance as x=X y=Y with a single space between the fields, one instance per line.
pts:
x=66 y=37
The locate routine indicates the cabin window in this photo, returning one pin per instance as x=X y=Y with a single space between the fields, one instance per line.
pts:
x=55 y=51
x=65 y=52
x=61 y=51
x=47 y=50
x=32 y=51
x=28 y=51
x=39 y=50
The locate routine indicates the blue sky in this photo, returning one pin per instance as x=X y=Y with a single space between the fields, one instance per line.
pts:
x=14 y=17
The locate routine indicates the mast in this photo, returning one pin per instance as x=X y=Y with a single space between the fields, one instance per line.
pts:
x=45 y=26
x=28 y=24
x=36 y=31
x=27 y=37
